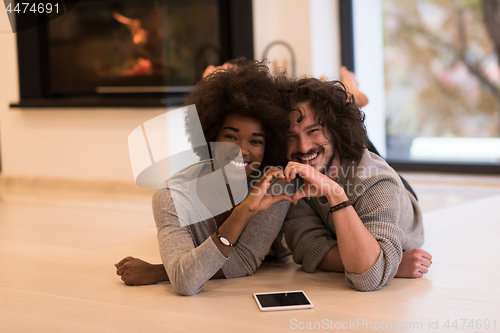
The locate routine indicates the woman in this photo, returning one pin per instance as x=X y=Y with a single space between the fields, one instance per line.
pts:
x=239 y=106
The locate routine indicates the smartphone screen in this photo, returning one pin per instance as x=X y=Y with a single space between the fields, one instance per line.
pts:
x=282 y=299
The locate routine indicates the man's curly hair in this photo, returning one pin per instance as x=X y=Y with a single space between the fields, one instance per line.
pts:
x=337 y=112
x=247 y=89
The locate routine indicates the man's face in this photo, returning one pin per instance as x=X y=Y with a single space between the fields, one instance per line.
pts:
x=307 y=143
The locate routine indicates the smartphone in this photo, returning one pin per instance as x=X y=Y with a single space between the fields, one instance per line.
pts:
x=284 y=300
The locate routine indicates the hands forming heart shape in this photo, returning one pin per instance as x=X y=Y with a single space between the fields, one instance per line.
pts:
x=315 y=184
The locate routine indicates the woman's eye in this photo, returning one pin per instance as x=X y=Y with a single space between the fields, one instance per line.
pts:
x=314 y=130
x=258 y=142
x=230 y=137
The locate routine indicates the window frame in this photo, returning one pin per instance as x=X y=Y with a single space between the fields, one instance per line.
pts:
x=346 y=21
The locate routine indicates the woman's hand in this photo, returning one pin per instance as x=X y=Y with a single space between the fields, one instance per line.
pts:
x=259 y=200
x=316 y=184
x=135 y=271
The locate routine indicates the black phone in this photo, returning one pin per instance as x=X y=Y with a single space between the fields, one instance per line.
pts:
x=286 y=300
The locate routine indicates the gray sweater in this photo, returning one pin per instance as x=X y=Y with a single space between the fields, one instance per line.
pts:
x=188 y=252
x=385 y=207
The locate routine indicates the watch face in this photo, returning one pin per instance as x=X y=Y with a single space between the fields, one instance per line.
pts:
x=224 y=241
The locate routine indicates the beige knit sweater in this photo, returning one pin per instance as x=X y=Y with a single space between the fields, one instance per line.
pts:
x=385 y=207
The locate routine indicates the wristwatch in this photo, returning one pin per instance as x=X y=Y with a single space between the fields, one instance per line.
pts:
x=224 y=240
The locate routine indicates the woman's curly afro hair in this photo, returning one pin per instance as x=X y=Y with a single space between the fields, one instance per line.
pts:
x=246 y=89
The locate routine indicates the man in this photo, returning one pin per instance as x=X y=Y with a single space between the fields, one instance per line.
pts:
x=353 y=213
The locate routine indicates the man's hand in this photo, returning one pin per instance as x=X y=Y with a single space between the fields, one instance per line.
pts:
x=135 y=271
x=316 y=184
x=414 y=264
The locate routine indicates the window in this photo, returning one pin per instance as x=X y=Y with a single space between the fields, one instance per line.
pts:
x=433 y=68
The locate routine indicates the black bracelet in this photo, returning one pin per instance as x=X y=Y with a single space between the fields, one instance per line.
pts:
x=340 y=206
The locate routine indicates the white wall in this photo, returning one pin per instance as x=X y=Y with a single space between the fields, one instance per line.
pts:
x=325 y=38
x=310 y=27
x=286 y=20
x=91 y=144
x=82 y=144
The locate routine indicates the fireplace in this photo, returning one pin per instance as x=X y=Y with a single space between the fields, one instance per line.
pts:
x=129 y=52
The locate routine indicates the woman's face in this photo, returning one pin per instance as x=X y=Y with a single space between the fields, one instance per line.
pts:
x=248 y=134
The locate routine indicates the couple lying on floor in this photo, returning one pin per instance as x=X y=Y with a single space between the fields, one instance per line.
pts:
x=308 y=177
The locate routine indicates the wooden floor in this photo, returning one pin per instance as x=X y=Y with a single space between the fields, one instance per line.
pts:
x=57 y=275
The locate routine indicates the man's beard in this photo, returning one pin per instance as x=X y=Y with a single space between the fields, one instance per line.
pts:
x=328 y=163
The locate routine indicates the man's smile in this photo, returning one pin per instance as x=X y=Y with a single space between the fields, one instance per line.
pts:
x=310 y=158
